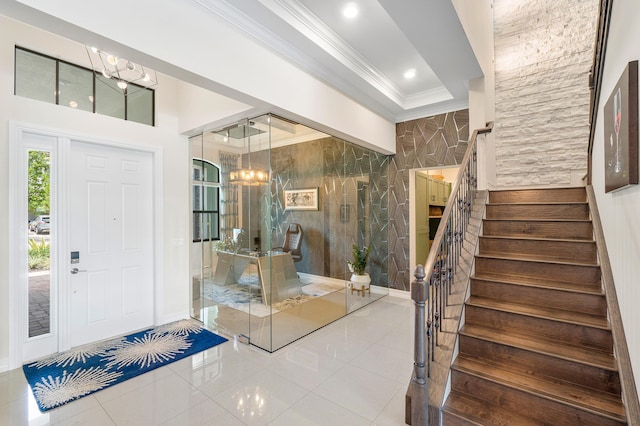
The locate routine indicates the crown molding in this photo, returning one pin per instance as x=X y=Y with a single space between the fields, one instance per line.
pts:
x=304 y=21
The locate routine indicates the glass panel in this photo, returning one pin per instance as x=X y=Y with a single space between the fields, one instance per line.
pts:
x=196 y=246
x=35 y=76
x=76 y=87
x=281 y=269
x=39 y=243
x=140 y=105
x=109 y=97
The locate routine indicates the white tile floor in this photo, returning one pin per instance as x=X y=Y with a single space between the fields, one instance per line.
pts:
x=354 y=371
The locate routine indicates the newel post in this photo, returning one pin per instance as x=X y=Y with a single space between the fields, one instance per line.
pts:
x=419 y=387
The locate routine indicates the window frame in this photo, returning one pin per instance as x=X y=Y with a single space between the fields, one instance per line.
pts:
x=93 y=73
x=201 y=185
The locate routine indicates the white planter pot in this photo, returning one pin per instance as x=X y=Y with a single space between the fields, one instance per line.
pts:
x=360 y=281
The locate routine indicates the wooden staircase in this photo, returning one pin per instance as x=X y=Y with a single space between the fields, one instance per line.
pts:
x=536 y=346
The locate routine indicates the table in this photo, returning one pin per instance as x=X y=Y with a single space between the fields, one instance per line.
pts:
x=276 y=273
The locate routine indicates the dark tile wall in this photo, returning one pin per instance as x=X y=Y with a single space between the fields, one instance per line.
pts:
x=440 y=140
x=353 y=200
x=363 y=196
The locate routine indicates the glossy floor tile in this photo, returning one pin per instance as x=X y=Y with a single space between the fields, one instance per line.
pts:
x=354 y=371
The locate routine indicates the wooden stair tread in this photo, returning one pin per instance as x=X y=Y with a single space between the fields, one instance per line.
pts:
x=532 y=281
x=568 y=194
x=541 y=312
x=534 y=238
x=478 y=412
x=585 y=398
x=537 y=219
x=583 y=355
x=539 y=203
x=535 y=258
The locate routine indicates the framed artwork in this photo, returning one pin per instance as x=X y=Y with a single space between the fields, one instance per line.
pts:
x=621 y=132
x=345 y=213
x=301 y=199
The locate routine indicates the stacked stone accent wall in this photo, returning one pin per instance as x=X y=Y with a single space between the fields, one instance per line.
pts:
x=543 y=54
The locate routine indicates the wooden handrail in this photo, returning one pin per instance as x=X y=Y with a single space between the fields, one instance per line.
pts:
x=440 y=269
x=595 y=76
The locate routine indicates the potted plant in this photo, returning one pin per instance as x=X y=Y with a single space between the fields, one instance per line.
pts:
x=360 y=280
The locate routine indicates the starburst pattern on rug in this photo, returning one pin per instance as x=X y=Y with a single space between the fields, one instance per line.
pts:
x=78 y=354
x=64 y=377
x=182 y=327
x=52 y=392
x=149 y=349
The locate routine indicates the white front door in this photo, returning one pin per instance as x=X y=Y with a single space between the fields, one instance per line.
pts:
x=111 y=235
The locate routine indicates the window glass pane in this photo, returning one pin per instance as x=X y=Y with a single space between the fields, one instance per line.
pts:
x=76 y=87
x=39 y=254
x=140 y=105
x=197 y=198
x=197 y=170
x=35 y=76
x=215 y=234
x=197 y=226
x=209 y=226
x=109 y=97
x=211 y=201
x=212 y=173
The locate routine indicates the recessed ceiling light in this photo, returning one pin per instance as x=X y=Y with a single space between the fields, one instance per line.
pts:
x=350 y=10
x=410 y=73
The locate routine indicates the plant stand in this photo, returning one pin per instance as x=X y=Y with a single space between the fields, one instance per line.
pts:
x=360 y=284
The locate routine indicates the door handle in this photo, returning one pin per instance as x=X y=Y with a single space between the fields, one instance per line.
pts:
x=76 y=270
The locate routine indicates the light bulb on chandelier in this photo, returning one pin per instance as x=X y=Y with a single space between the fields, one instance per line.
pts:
x=112 y=60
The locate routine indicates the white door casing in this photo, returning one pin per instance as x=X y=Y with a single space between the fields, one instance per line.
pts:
x=111 y=229
x=22 y=348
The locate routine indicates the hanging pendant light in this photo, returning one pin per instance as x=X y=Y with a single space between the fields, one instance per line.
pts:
x=129 y=77
x=249 y=176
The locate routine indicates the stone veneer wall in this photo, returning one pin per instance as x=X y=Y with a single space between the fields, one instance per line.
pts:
x=543 y=54
x=440 y=140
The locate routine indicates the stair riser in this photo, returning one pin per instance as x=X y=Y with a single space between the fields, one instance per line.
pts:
x=555 y=195
x=536 y=296
x=577 y=251
x=539 y=364
x=537 y=408
x=538 y=229
x=574 y=211
x=507 y=322
x=589 y=276
x=450 y=419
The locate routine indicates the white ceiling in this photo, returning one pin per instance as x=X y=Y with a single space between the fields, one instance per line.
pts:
x=364 y=57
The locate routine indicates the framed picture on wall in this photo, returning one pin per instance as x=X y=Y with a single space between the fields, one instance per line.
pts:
x=621 y=132
x=301 y=199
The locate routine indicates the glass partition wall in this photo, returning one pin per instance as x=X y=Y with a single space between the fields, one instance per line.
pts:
x=277 y=210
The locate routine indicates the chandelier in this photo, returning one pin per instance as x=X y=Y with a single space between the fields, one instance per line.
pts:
x=128 y=76
x=247 y=176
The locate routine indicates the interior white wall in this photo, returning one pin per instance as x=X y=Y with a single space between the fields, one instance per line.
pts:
x=236 y=65
x=476 y=17
x=620 y=210
x=199 y=107
x=176 y=191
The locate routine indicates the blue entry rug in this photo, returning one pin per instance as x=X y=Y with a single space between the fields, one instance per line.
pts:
x=81 y=371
